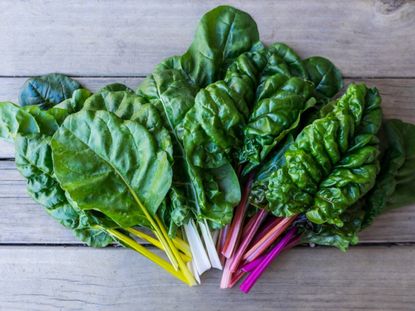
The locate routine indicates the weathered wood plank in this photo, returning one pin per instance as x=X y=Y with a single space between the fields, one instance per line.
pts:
x=26 y=222
x=398 y=97
x=51 y=278
x=364 y=38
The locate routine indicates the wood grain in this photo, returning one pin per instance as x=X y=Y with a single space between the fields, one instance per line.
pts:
x=52 y=278
x=398 y=97
x=27 y=223
x=364 y=38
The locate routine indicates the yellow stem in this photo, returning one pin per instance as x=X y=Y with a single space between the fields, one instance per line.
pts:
x=148 y=254
x=185 y=254
x=183 y=267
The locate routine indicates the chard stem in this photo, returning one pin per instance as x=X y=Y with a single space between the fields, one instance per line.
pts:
x=237 y=221
x=258 y=218
x=261 y=246
x=148 y=254
x=182 y=265
x=250 y=281
x=181 y=245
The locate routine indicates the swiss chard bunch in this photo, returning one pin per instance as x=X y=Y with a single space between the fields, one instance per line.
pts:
x=170 y=157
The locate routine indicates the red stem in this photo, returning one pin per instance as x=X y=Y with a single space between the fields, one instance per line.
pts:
x=221 y=242
x=258 y=218
x=237 y=221
x=237 y=276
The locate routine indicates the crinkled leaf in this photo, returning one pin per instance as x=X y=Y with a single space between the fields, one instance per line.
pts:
x=332 y=235
x=47 y=91
x=333 y=161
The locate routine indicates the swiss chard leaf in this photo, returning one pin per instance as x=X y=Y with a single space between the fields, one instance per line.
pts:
x=34 y=162
x=111 y=166
x=396 y=181
x=47 y=91
x=333 y=161
x=222 y=35
x=14 y=120
x=326 y=77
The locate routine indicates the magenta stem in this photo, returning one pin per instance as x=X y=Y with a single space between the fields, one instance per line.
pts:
x=250 y=266
x=250 y=281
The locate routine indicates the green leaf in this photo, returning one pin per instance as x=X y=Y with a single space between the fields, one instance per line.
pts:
x=222 y=35
x=396 y=181
x=169 y=91
x=326 y=77
x=129 y=106
x=114 y=87
x=332 y=235
x=333 y=161
x=112 y=166
x=47 y=91
x=14 y=120
x=74 y=103
x=34 y=162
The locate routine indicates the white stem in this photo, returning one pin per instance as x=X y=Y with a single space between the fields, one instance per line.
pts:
x=210 y=245
x=199 y=255
x=192 y=267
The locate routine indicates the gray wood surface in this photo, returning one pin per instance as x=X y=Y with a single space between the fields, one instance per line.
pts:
x=77 y=278
x=128 y=37
x=42 y=267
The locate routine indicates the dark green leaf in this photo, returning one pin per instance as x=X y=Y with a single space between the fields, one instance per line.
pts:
x=47 y=91
x=396 y=181
x=222 y=35
x=325 y=76
x=333 y=161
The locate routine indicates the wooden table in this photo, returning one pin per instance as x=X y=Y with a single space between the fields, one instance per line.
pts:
x=43 y=267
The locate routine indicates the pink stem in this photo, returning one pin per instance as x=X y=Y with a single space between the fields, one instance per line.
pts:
x=237 y=221
x=259 y=217
x=260 y=247
x=221 y=242
x=237 y=276
x=249 y=266
x=248 y=226
x=256 y=274
x=226 y=275
x=269 y=225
